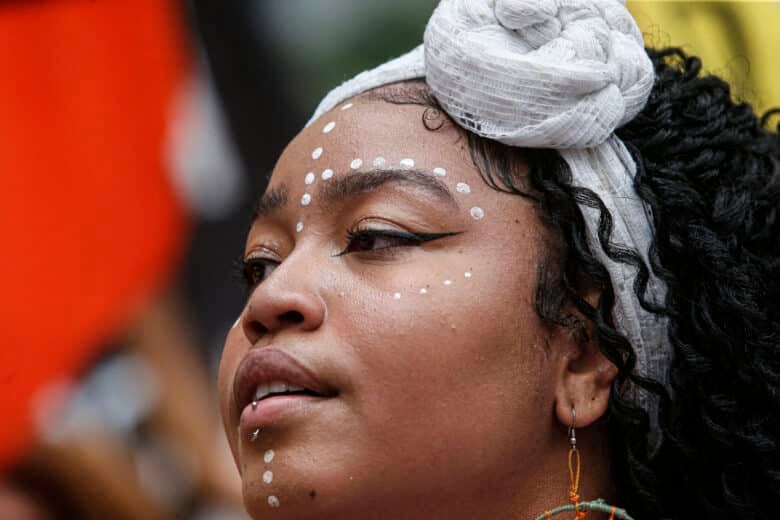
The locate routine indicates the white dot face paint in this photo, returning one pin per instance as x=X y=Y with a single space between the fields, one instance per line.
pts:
x=299 y=227
x=467 y=274
x=423 y=291
x=397 y=296
x=440 y=172
x=268 y=456
x=379 y=162
x=310 y=177
x=347 y=106
x=306 y=199
x=329 y=127
x=327 y=174
x=447 y=282
x=477 y=213
x=462 y=187
x=317 y=153
x=407 y=164
x=268 y=477
x=357 y=163
x=273 y=501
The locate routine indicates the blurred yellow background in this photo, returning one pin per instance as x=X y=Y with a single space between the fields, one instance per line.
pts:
x=738 y=40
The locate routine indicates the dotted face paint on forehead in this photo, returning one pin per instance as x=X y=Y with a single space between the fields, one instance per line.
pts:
x=464 y=188
x=310 y=178
x=356 y=164
x=329 y=127
x=317 y=153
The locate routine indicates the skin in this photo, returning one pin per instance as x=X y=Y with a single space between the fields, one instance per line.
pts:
x=453 y=404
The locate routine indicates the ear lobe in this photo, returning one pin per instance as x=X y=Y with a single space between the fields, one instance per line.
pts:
x=585 y=378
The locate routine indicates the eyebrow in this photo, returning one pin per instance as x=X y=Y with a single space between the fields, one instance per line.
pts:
x=346 y=187
x=356 y=184
x=270 y=202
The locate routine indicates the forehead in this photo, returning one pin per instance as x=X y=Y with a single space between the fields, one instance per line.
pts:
x=346 y=140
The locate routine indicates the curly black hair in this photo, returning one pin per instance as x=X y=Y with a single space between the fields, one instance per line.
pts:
x=710 y=172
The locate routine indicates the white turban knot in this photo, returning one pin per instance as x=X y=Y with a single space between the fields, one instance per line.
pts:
x=538 y=73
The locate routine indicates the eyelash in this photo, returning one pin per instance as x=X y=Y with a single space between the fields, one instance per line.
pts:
x=247 y=269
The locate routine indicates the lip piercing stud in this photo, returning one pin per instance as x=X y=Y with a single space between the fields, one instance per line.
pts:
x=254 y=405
x=255 y=435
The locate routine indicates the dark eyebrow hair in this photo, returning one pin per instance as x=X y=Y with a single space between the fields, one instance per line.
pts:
x=271 y=201
x=353 y=185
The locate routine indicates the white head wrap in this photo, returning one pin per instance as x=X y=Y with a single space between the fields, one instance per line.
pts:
x=560 y=74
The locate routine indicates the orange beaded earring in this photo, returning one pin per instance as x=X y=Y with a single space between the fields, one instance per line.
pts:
x=581 y=509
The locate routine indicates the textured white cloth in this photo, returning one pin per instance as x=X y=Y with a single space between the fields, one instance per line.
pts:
x=560 y=74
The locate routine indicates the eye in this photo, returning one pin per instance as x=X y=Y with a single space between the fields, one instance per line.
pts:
x=256 y=270
x=367 y=240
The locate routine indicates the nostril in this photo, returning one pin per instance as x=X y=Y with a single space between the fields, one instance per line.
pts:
x=258 y=329
x=291 y=317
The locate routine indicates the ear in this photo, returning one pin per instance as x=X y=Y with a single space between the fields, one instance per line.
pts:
x=584 y=377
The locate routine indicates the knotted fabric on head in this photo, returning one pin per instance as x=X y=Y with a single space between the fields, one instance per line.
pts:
x=562 y=74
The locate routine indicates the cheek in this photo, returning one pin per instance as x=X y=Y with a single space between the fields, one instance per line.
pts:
x=454 y=360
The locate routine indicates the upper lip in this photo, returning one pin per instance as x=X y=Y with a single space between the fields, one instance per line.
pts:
x=268 y=364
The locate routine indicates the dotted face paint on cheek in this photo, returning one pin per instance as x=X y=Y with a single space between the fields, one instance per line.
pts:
x=329 y=127
x=407 y=164
x=440 y=172
x=356 y=164
x=273 y=501
x=327 y=174
x=379 y=162
x=317 y=153
x=268 y=476
x=306 y=199
x=299 y=227
x=477 y=213
x=310 y=178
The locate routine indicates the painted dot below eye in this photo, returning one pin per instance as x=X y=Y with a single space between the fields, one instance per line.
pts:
x=407 y=164
x=273 y=501
x=423 y=291
x=268 y=456
x=310 y=177
x=357 y=163
x=327 y=174
x=347 y=106
x=447 y=282
x=467 y=274
x=379 y=162
x=299 y=227
x=306 y=199
x=317 y=153
x=477 y=213
x=397 y=296
x=462 y=187
x=440 y=172
x=329 y=127
x=268 y=477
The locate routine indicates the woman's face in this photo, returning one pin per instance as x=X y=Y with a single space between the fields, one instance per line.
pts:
x=398 y=288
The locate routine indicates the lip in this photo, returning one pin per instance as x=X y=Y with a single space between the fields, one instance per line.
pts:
x=267 y=364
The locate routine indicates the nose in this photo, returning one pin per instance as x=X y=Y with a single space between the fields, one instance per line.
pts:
x=287 y=299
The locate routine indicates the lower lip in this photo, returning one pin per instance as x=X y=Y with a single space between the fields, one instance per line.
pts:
x=274 y=409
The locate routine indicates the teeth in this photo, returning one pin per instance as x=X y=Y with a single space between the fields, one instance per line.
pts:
x=275 y=387
x=278 y=387
x=261 y=391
